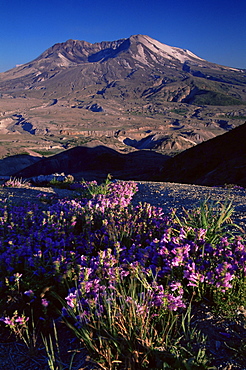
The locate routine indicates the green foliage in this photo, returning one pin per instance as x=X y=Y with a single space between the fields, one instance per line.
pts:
x=22 y=153
x=123 y=327
x=62 y=184
x=231 y=304
x=212 y=217
x=130 y=334
x=215 y=98
x=92 y=188
x=180 y=111
x=235 y=117
x=47 y=153
x=190 y=348
x=52 y=349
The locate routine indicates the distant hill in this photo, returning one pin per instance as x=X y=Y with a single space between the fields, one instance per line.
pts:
x=15 y=163
x=97 y=163
x=218 y=161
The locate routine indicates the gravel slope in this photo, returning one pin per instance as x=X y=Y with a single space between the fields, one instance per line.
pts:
x=160 y=194
x=171 y=195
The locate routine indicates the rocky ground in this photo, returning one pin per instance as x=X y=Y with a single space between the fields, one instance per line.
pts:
x=179 y=196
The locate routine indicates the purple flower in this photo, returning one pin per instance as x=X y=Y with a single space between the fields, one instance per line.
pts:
x=21 y=320
x=175 y=302
x=44 y=302
x=8 y=321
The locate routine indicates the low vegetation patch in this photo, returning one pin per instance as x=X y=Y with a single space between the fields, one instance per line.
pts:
x=16 y=183
x=180 y=111
x=207 y=97
x=125 y=280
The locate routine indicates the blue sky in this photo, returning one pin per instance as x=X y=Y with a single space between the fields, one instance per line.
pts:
x=213 y=29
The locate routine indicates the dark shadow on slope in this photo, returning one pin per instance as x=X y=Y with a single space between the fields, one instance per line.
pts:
x=16 y=163
x=109 y=53
x=98 y=162
x=218 y=161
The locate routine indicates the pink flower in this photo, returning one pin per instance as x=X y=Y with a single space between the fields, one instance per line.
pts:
x=44 y=302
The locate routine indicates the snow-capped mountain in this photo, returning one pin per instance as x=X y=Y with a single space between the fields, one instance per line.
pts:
x=135 y=67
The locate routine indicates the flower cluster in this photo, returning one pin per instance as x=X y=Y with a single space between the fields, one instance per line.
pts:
x=103 y=277
x=103 y=243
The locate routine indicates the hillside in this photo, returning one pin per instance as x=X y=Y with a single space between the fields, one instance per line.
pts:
x=218 y=161
x=96 y=163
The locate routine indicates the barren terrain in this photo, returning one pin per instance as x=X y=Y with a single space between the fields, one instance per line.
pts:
x=27 y=126
x=128 y=95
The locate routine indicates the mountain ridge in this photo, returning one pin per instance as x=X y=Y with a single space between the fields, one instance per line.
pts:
x=141 y=49
x=81 y=49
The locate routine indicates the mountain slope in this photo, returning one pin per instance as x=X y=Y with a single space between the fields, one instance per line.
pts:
x=135 y=67
x=141 y=49
x=218 y=161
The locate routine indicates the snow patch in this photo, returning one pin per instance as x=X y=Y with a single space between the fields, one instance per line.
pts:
x=192 y=54
x=235 y=69
x=167 y=51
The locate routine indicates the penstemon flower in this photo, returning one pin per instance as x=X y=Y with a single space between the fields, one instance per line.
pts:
x=115 y=258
